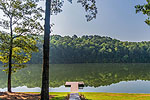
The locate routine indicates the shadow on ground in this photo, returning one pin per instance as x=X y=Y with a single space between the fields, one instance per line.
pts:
x=58 y=98
x=22 y=96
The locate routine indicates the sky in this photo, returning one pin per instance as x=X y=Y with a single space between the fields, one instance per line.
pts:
x=115 y=18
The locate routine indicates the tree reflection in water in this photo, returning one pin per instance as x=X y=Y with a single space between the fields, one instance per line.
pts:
x=91 y=74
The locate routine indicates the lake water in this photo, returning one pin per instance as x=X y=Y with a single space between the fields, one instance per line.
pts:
x=115 y=78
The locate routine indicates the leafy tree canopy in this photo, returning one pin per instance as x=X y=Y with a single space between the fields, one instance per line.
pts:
x=145 y=9
x=22 y=49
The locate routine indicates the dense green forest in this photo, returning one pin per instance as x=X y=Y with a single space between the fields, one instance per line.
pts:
x=93 y=49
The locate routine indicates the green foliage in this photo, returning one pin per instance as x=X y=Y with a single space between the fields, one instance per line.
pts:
x=22 y=49
x=22 y=20
x=88 y=5
x=25 y=16
x=90 y=8
x=94 y=49
x=145 y=9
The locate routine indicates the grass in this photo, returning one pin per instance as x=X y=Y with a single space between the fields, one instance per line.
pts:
x=115 y=96
x=103 y=96
x=57 y=95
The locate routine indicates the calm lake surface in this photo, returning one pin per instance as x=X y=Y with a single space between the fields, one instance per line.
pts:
x=116 y=78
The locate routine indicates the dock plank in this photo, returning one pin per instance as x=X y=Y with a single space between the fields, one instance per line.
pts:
x=74 y=96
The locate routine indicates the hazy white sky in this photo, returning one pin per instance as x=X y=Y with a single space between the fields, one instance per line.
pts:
x=116 y=18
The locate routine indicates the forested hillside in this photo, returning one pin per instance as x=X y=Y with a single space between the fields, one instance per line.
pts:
x=94 y=49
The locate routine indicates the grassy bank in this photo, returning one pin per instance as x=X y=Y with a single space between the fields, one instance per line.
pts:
x=116 y=96
x=87 y=95
x=105 y=96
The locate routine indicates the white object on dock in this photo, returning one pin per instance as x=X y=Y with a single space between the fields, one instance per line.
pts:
x=74 y=86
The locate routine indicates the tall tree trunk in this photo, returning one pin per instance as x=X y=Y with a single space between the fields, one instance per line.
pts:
x=45 y=72
x=10 y=57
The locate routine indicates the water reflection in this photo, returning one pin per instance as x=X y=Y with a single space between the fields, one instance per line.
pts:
x=93 y=75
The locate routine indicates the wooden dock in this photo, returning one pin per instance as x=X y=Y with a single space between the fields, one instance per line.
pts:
x=74 y=96
x=74 y=89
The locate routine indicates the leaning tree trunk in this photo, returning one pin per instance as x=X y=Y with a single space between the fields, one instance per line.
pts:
x=10 y=57
x=45 y=73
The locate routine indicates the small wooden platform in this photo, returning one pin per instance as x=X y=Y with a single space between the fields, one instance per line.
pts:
x=74 y=96
x=74 y=86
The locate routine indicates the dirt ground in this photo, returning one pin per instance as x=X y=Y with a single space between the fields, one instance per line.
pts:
x=19 y=96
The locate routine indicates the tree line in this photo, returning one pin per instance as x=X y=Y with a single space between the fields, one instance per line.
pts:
x=93 y=49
